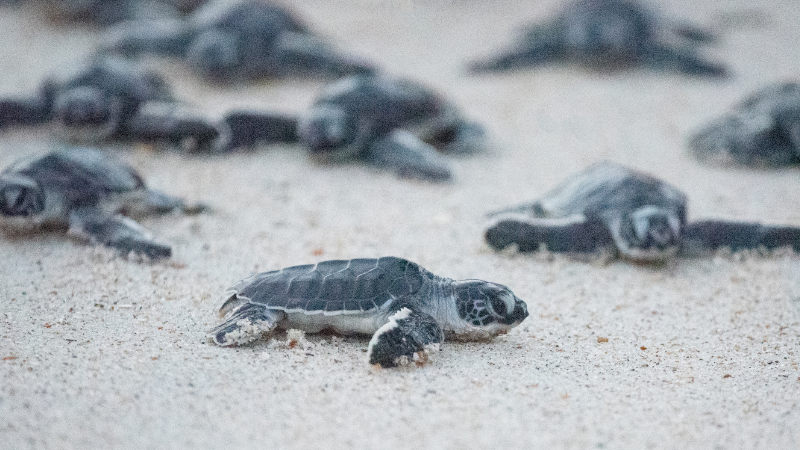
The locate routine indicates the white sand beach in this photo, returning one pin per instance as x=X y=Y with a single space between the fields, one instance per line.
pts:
x=102 y=352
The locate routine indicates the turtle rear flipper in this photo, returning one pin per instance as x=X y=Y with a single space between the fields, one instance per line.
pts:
x=304 y=54
x=117 y=232
x=408 y=156
x=573 y=234
x=245 y=324
x=406 y=334
x=682 y=60
x=703 y=237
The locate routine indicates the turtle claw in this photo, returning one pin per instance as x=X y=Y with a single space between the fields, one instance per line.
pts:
x=407 y=336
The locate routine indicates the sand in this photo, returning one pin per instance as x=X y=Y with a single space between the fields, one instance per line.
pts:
x=102 y=352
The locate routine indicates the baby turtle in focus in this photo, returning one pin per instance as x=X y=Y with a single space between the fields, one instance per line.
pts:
x=611 y=209
x=763 y=131
x=407 y=310
x=114 y=99
x=608 y=35
x=107 y=12
x=236 y=42
x=86 y=191
x=388 y=122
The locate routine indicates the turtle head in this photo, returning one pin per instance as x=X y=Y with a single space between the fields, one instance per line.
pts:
x=20 y=195
x=649 y=233
x=328 y=129
x=606 y=34
x=486 y=309
x=215 y=53
x=87 y=110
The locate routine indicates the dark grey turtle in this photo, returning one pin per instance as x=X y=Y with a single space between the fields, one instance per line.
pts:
x=86 y=191
x=404 y=307
x=609 y=208
x=605 y=35
x=388 y=122
x=762 y=130
x=115 y=99
x=107 y=12
x=240 y=41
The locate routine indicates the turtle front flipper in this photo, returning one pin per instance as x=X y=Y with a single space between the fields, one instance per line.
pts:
x=173 y=123
x=244 y=323
x=409 y=157
x=32 y=110
x=703 y=237
x=246 y=129
x=168 y=37
x=574 y=234
x=117 y=232
x=306 y=55
x=406 y=334
x=681 y=60
x=541 y=44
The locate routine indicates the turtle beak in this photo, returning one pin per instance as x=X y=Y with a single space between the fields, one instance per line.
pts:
x=519 y=314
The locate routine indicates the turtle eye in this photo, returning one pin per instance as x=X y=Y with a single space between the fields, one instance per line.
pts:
x=499 y=306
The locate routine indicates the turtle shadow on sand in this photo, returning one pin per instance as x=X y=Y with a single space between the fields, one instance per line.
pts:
x=611 y=209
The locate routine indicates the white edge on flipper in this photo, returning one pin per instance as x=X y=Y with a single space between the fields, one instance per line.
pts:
x=420 y=357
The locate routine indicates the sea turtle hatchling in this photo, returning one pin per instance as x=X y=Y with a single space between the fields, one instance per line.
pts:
x=239 y=41
x=387 y=122
x=394 y=123
x=405 y=308
x=608 y=208
x=763 y=130
x=111 y=98
x=86 y=191
x=607 y=35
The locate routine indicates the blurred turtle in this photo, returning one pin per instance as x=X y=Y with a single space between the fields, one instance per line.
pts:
x=108 y=12
x=763 y=130
x=609 y=208
x=115 y=99
x=240 y=41
x=388 y=122
x=89 y=193
x=608 y=35
x=407 y=310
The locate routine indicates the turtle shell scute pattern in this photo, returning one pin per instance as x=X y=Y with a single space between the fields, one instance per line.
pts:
x=334 y=287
